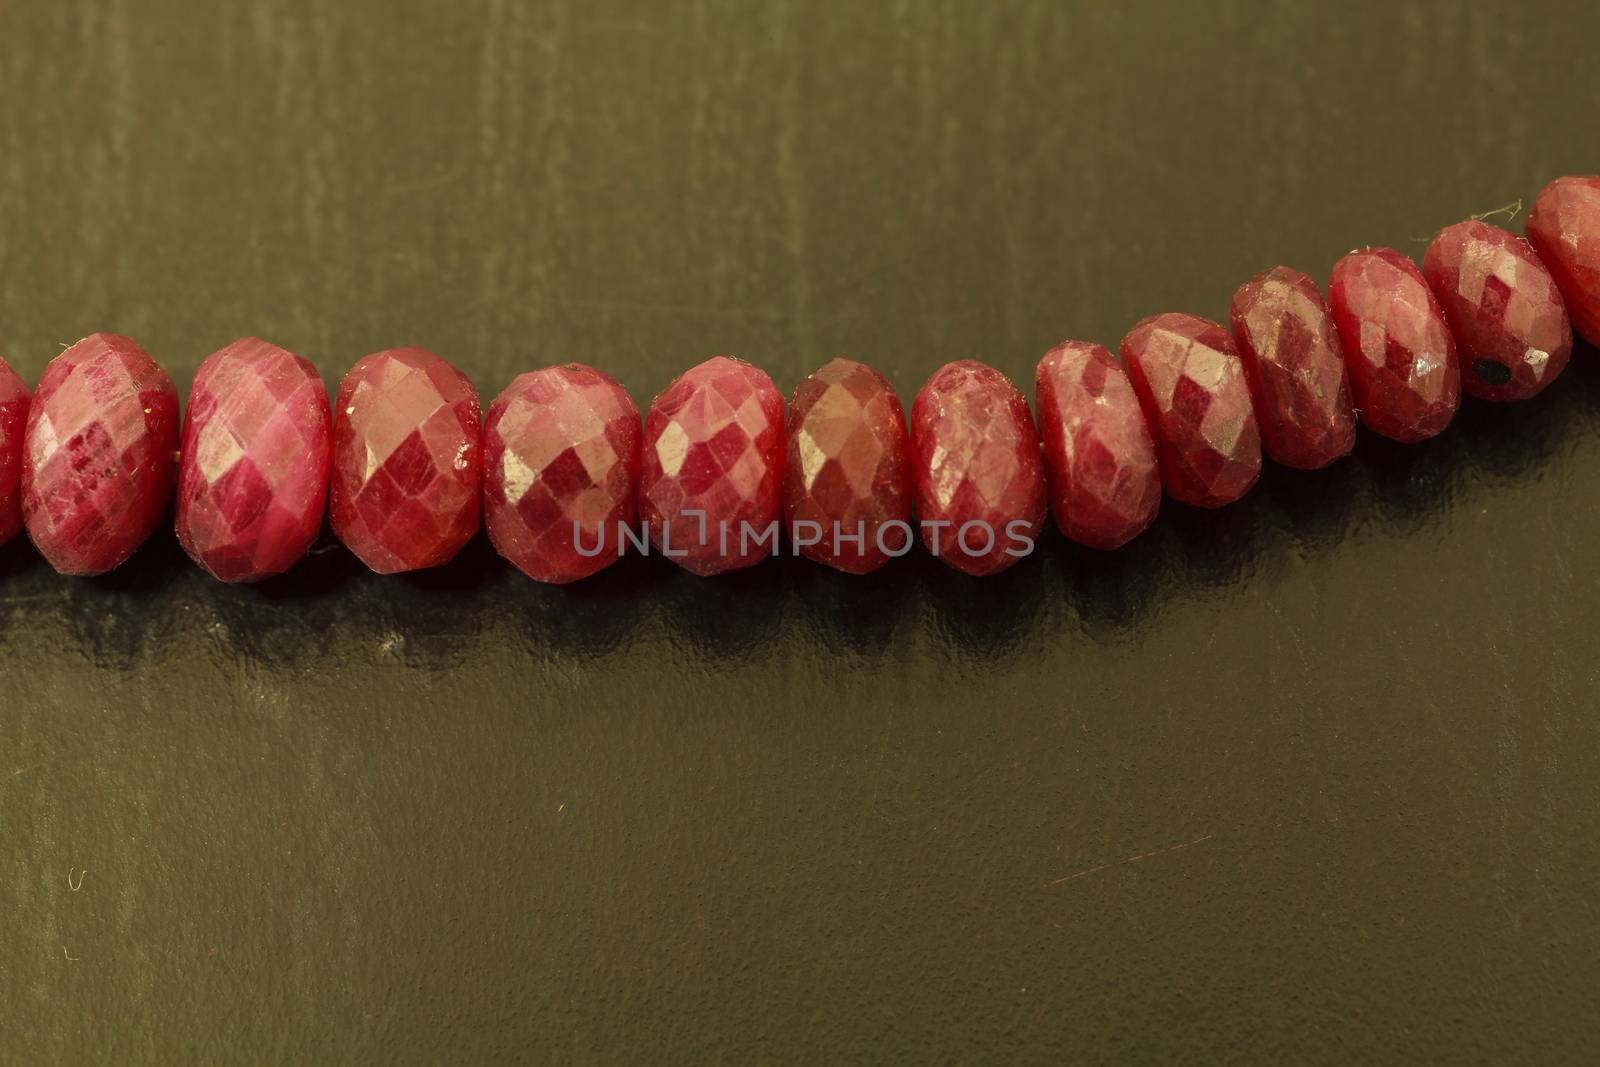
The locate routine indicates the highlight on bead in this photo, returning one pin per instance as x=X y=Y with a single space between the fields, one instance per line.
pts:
x=98 y=460
x=253 y=472
x=713 y=447
x=975 y=466
x=405 y=488
x=847 y=464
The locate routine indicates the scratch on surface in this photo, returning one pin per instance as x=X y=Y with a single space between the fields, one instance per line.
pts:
x=432 y=181
x=26 y=598
x=1133 y=859
x=1294 y=632
x=700 y=310
x=70 y=956
x=81 y=875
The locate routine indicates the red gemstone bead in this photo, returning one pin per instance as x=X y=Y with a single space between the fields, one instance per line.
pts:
x=406 y=462
x=560 y=472
x=253 y=478
x=1192 y=388
x=976 y=468
x=847 y=469
x=13 y=422
x=1289 y=348
x=1564 y=227
x=1510 y=325
x=1397 y=347
x=98 y=460
x=1100 y=461
x=710 y=486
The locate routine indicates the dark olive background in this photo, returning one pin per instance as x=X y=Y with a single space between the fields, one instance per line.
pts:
x=1315 y=778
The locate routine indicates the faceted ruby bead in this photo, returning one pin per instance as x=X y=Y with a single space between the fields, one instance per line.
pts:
x=98 y=460
x=1100 y=461
x=710 y=485
x=976 y=468
x=1505 y=312
x=406 y=463
x=560 y=472
x=847 y=468
x=1397 y=347
x=1289 y=348
x=253 y=478
x=1192 y=388
x=1564 y=227
x=13 y=422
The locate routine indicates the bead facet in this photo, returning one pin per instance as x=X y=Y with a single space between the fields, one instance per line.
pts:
x=14 y=399
x=1099 y=458
x=560 y=472
x=99 y=455
x=847 y=469
x=1289 y=348
x=976 y=468
x=710 y=485
x=1506 y=314
x=253 y=475
x=407 y=466
x=1564 y=228
x=1192 y=388
x=1397 y=346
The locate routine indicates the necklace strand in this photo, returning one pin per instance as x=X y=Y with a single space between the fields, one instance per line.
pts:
x=721 y=473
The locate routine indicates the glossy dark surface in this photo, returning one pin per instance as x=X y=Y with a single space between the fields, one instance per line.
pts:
x=1311 y=778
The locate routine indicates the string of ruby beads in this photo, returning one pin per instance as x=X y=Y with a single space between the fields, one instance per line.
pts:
x=722 y=472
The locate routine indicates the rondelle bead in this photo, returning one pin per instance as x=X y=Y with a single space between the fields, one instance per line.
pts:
x=14 y=398
x=1192 y=388
x=1397 y=346
x=976 y=468
x=710 y=484
x=847 y=474
x=1506 y=314
x=1099 y=458
x=99 y=455
x=253 y=472
x=1564 y=227
x=1289 y=348
x=407 y=470
x=560 y=472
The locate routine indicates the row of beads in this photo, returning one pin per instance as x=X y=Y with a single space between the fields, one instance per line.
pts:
x=559 y=471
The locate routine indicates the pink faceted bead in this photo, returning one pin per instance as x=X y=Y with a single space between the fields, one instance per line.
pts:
x=407 y=469
x=847 y=472
x=560 y=472
x=1564 y=227
x=1292 y=360
x=711 y=481
x=976 y=468
x=1192 y=388
x=1397 y=347
x=253 y=478
x=1105 y=487
x=1505 y=312
x=99 y=456
x=14 y=398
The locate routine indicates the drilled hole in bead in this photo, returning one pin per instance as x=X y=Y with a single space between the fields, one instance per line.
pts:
x=1490 y=372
